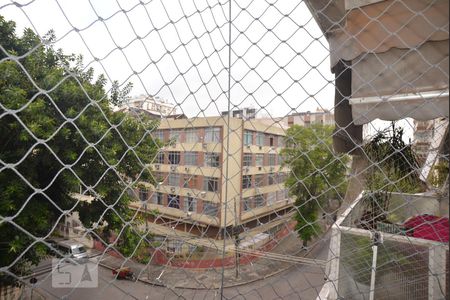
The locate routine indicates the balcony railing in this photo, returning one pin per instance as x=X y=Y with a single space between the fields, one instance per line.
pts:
x=385 y=262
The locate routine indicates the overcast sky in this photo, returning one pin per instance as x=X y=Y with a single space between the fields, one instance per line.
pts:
x=178 y=49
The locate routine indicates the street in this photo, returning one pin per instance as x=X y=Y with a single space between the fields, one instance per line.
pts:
x=298 y=282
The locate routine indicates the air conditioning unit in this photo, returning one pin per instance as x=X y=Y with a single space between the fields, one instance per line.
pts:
x=259 y=168
x=157 y=167
x=172 y=189
x=157 y=187
x=272 y=148
x=173 y=168
x=189 y=194
x=204 y=145
x=260 y=147
x=248 y=146
x=186 y=169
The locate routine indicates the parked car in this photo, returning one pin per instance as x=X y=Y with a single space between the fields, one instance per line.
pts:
x=72 y=250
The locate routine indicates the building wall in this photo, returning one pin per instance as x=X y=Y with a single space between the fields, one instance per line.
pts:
x=229 y=173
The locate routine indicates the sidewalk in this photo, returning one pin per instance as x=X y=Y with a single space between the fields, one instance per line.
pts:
x=212 y=278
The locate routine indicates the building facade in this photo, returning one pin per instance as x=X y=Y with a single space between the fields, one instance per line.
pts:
x=246 y=113
x=324 y=117
x=213 y=176
x=153 y=106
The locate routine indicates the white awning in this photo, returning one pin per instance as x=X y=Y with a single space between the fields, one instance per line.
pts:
x=419 y=106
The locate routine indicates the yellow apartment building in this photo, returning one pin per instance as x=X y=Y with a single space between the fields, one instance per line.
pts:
x=213 y=175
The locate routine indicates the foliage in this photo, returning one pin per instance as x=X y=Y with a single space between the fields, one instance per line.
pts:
x=58 y=133
x=393 y=163
x=317 y=174
x=393 y=168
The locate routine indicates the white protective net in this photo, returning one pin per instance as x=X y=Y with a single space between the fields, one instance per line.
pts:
x=209 y=149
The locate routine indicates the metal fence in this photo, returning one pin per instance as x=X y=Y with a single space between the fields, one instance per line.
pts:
x=220 y=149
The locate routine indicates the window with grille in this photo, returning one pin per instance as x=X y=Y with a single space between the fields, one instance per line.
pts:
x=211 y=184
x=174 y=201
x=271 y=178
x=192 y=135
x=157 y=198
x=247 y=160
x=259 y=180
x=210 y=209
x=212 y=160
x=158 y=134
x=190 y=158
x=260 y=138
x=190 y=204
x=212 y=135
x=271 y=198
x=143 y=195
x=175 y=135
x=174 y=179
x=246 y=181
x=247 y=203
x=259 y=160
x=174 y=157
x=159 y=159
x=272 y=159
x=259 y=200
x=248 y=137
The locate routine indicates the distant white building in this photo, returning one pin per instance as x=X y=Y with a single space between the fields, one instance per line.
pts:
x=246 y=113
x=320 y=116
x=153 y=106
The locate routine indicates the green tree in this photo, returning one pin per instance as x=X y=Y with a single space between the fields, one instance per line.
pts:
x=58 y=132
x=317 y=174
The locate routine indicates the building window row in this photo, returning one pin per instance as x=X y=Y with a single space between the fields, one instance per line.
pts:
x=259 y=180
x=186 y=203
x=208 y=159
x=261 y=200
x=210 y=184
x=260 y=159
x=189 y=135
x=262 y=139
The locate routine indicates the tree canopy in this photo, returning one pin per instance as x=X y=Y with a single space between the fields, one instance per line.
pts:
x=58 y=134
x=317 y=174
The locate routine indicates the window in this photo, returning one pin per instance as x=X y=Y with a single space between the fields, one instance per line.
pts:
x=259 y=180
x=212 y=160
x=210 y=209
x=248 y=203
x=212 y=135
x=143 y=195
x=158 y=134
x=271 y=198
x=174 y=157
x=190 y=181
x=272 y=159
x=259 y=160
x=190 y=204
x=174 y=179
x=159 y=159
x=158 y=198
x=260 y=139
x=211 y=184
x=192 y=135
x=247 y=160
x=246 y=181
x=175 y=135
x=190 y=158
x=259 y=200
x=271 y=179
x=174 y=201
x=271 y=141
x=248 y=137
